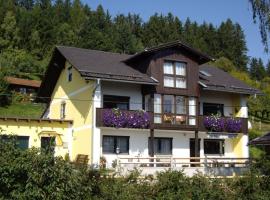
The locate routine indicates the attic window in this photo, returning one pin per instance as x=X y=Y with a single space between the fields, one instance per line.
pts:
x=205 y=73
x=63 y=110
x=69 y=74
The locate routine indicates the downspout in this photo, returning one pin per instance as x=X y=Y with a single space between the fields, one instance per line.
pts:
x=97 y=84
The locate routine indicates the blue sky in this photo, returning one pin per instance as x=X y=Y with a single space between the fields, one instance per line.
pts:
x=214 y=11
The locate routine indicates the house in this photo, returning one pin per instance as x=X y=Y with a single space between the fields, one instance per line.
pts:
x=151 y=110
x=263 y=141
x=38 y=133
x=23 y=86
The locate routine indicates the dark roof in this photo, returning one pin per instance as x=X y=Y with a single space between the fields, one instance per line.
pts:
x=213 y=78
x=201 y=57
x=263 y=140
x=23 y=82
x=104 y=65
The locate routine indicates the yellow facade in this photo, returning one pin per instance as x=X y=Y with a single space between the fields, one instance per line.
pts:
x=77 y=97
x=36 y=129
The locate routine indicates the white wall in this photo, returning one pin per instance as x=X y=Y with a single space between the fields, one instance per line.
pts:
x=124 y=89
x=217 y=97
x=138 y=143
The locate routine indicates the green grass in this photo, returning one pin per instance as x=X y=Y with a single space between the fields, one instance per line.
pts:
x=23 y=110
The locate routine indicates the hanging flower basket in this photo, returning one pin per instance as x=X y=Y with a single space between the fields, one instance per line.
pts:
x=126 y=119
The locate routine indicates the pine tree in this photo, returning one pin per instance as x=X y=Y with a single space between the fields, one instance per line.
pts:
x=257 y=70
x=9 y=33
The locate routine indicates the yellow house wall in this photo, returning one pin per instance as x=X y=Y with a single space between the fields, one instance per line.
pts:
x=238 y=145
x=77 y=95
x=34 y=130
x=238 y=142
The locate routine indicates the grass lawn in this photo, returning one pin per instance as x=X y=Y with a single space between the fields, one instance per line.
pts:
x=24 y=110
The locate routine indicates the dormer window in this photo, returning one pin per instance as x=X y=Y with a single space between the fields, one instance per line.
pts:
x=174 y=74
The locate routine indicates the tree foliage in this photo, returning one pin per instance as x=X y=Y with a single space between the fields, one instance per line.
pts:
x=32 y=28
x=35 y=174
x=261 y=12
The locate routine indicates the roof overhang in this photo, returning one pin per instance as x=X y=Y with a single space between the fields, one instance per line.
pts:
x=202 y=58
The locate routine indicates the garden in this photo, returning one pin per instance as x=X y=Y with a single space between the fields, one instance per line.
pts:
x=37 y=174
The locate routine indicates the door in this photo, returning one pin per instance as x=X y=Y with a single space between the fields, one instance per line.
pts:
x=48 y=144
x=192 y=151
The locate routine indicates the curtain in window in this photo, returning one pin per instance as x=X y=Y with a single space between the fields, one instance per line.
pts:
x=122 y=144
x=165 y=146
x=168 y=81
x=147 y=104
x=157 y=103
x=168 y=68
x=180 y=68
x=192 y=106
x=181 y=83
x=180 y=105
x=108 y=144
x=168 y=104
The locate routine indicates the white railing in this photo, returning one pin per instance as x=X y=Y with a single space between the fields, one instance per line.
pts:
x=176 y=162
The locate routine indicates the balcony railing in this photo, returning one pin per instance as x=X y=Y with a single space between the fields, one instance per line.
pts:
x=141 y=119
x=123 y=118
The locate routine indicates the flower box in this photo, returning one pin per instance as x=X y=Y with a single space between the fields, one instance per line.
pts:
x=126 y=119
x=215 y=123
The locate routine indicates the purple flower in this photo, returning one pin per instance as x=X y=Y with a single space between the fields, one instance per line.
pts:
x=233 y=125
x=214 y=123
x=126 y=119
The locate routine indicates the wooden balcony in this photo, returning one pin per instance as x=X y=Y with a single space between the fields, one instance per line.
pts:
x=199 y=125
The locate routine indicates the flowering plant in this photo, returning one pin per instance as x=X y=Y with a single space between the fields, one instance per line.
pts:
x=214 y=123
x=217 y=124
x=126 y=119
x=233 y=125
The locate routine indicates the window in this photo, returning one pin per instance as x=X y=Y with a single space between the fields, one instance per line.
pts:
x=174 y=74
x=22 y=142
x=157 y=108
x=213 y=146
x=110 y=144
x=213 y=108
x=111 y=101
x=178 y=110
x=69 y=74
x=63 y=110
x=168 y=104
x=162 y=146
x=48 y=144
x=192 y=110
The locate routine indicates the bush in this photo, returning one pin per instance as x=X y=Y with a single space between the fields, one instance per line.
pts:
x=31 y=174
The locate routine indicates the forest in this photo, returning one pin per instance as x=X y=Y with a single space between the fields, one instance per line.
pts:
x=30 y=29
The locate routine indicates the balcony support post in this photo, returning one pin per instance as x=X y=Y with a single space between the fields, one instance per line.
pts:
x=197 y=153
x=151 y=146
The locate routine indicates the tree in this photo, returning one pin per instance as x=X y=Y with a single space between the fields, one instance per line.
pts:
x=224 y=64
x=268 y=68
x=9 y=37
x=261 y=12
x=257 y=70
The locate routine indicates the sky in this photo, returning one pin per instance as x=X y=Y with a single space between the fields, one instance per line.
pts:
x=211 y=11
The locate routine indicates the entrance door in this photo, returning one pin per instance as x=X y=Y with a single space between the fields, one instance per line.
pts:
x=192 y=151
x=48 y=144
